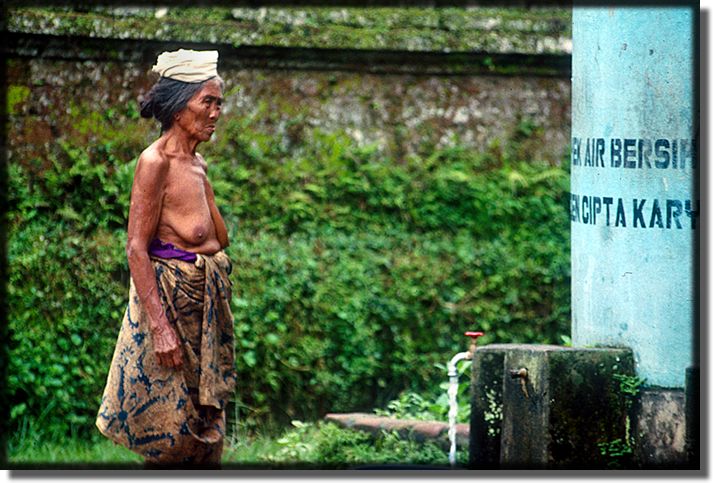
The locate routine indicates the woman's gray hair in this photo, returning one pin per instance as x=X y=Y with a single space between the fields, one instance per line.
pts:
x=169 y=96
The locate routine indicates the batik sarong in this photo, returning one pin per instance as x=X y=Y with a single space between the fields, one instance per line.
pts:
x=175 y=415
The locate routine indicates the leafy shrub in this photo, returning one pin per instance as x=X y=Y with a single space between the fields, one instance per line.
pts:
x=411 y=405
x=326 y=445
x=355 y=275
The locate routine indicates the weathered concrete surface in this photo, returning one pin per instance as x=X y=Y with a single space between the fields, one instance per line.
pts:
x=634 y=217
x=561 y=415
x=419 y=431
x=486 y=409
x=660 y=426
x=524 y=439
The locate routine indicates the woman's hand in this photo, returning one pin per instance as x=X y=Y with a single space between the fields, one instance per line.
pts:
x=166 y=345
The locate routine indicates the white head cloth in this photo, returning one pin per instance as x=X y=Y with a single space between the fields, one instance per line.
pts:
x=188 y=65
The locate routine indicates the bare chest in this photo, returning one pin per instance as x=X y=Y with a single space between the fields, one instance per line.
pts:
x=185 y=189
x=185 y=214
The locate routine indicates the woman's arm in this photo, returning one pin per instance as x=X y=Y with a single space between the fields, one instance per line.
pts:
x=144 y=212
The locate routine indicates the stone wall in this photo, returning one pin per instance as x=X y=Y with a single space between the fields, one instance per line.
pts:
x=403 y=113
x=531 y=30
x=408 y=79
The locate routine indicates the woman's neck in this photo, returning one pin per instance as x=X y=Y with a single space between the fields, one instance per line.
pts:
x=178 y=141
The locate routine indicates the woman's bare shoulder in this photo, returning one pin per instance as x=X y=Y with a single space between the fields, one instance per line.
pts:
x=152 y=158
x=152 y=164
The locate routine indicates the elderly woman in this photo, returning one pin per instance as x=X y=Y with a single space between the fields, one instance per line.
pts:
x=172 y=372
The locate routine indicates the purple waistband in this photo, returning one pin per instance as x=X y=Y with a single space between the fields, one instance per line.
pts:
x=159 y=249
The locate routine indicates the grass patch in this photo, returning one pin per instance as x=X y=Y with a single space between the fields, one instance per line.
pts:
x=312 y=445
x=32 y=451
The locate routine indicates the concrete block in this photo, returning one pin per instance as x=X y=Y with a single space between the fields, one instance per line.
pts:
x=659 y=419
x=568 y=412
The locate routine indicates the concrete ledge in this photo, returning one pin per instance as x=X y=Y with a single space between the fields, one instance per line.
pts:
x=660 y=425
x=416 y=430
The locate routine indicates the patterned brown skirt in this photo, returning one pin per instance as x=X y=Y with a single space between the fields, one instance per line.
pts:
x=169 y=415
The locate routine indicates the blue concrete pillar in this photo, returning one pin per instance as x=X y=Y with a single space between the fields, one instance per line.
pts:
x=634 y=206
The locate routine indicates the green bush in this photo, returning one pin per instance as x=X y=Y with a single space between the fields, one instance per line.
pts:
x=326 y=445
x=411 y=405
x=355 y=275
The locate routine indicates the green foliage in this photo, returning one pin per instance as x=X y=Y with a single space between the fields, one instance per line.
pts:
x=64 y=316
x=16 y=95
x=411 y=405
x=617 y=453
x=355 y=274
x=327 y=445
x=629 y=385
x=67 y=284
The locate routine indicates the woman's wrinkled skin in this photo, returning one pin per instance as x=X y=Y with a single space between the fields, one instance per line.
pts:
x=173 y=200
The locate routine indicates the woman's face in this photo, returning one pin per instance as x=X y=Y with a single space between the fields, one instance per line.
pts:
x=202 y=111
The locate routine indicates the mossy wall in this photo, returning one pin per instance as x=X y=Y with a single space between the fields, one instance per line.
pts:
x=404 y=114
x=427 y=107
x=494 y=30
x=571 y=410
